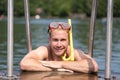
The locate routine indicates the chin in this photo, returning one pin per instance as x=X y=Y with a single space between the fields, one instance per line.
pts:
x=59 y=54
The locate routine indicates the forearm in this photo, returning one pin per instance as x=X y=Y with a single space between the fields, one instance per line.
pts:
x=85 y=66
x=32 y=65
x=55 y=65
x=79 y=66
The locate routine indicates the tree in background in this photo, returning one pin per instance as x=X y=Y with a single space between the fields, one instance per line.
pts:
x=60 y=8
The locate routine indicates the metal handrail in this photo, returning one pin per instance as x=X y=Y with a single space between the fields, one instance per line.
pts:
x=109 y=38
x=92 y=27
x=10 y=38
x=28 y=32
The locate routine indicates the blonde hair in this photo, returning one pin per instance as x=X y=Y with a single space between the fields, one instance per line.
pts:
x=59 y=28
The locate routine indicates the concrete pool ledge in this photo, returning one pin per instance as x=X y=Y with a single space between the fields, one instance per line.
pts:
x=29 y=75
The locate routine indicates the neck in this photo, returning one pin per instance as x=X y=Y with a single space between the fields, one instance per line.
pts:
x=56 y=58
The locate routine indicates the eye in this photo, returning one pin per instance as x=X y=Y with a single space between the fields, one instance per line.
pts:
x=63 y=39
x=55 y=40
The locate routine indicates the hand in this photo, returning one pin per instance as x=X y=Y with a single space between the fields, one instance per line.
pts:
x=51 y=64
x=65 y=70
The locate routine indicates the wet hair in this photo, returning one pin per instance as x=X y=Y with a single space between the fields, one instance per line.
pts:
x=50 y=31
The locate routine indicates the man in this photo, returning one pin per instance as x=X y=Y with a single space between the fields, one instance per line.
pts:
x=50 y=57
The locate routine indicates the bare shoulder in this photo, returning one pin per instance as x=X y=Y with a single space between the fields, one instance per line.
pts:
x=79 y=54
x=39 y=53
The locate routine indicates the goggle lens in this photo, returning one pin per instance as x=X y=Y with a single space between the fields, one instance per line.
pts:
x=55 y=25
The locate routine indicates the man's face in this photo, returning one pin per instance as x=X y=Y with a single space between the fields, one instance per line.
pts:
x=59 y=42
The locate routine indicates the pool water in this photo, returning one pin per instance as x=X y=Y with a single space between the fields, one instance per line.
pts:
x=80 y=40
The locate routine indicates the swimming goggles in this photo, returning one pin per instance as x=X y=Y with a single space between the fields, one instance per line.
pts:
x=56 y=25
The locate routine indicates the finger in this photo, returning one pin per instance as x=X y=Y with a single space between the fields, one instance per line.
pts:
x=66 y=70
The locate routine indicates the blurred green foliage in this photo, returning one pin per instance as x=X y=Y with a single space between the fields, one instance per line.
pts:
x=60 y=8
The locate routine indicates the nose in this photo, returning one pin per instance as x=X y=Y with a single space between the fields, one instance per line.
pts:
x=59 y=44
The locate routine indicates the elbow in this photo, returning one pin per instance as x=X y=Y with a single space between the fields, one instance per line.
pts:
x=23 y=66
x=94 y=68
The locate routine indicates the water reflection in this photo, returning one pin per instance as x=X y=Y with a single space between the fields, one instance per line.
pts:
x=56 y=76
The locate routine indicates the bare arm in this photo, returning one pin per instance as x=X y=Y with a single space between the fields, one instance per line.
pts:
x=85 y=66
x=83 y=63
x=31 y=62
